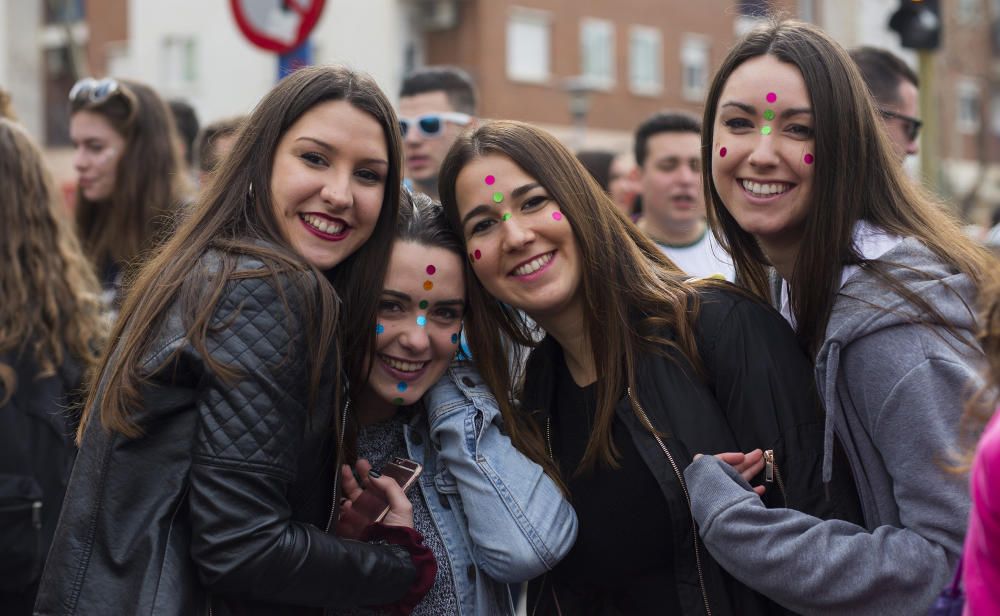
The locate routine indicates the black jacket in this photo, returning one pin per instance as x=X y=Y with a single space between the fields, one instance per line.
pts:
x=36 y=456
x=223 y=501
x=758 y=392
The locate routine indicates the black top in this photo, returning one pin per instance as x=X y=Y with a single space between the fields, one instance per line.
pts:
x=622 y=560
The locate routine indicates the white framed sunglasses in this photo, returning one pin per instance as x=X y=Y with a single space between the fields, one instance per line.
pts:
x=432 y=124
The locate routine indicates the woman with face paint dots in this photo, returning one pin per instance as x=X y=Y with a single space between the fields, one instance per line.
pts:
x=640 y=369
x=209 y=448
x=491 y=516
x=880 y=285
x=131 y=174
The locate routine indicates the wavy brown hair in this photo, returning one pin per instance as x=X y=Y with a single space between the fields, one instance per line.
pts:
x=235 y=220
x=51 y=298
x=150 y=181
x=632 y=291
x=858 y=178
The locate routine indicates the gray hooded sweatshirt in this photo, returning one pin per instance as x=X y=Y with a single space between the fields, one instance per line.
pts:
x=893 y=392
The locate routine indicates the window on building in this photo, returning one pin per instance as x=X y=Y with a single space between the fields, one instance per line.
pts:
x=645 y=60
x=753 y=8
x=807 y=10
x=597 y=52
x=995 y=113
x=179 y=63
x=969 y=107
x=694 y=66
x=528 y=45
x=970 y=11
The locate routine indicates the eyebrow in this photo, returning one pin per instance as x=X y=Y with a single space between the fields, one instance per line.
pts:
x=406 y=298
x=329 y=148
x=520 y=191
x=750 y=109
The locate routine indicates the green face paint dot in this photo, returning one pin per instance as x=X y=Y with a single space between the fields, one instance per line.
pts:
x=497 y=197
x=769 y=114
x=423 y=304
x=766 y=130
x=506 y=217
x=397 y=401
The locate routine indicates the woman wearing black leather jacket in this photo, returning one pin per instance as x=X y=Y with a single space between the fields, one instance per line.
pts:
x=51 y=330
x=209 y=446
x=640 y=370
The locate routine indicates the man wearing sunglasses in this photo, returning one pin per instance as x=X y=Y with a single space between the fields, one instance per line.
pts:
x=893 y=85
x=436 y=104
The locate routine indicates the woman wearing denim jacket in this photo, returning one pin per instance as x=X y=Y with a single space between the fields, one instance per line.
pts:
x=491 y=516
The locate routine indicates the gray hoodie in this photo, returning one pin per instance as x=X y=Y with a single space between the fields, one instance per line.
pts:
x=894 y=392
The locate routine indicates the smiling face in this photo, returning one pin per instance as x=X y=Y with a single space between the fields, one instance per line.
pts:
x=97 y=149
x=419 y=324
x=328 y=181
x=522 y=248
x=763 y=156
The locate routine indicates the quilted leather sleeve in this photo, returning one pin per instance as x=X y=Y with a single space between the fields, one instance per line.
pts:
x=246 y=450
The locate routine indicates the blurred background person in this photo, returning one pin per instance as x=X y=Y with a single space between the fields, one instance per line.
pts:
x=129 y=169
x=436 y=104
x=894 y=86
x=186 y=121
x=598 y=165
x=51 y=330
x=668 y=152
x=214 y=143
x=623 y=184
x=6 y=106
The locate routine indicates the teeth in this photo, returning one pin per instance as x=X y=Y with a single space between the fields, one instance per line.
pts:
x=326 y=226
x=764 y=190
x=403 y=366
x=533 y=266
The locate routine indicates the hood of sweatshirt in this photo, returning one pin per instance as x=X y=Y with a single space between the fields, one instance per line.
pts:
x=866 y=304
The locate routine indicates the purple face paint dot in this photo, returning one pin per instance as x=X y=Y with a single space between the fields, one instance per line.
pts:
x=490 y=179
x=478 y=255
x=454 y=338
x=430 y=270
x=498 y=197
x=556 y=215
x=765 y=130
x=722 y=152
x=421 y=320
x=397 y=401
x=771 y=97
x=379 y=328
x=808 y=158
x=401 y=386
x=506 y=216
x=423 y=304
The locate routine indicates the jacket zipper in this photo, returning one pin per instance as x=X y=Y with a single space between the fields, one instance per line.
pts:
x=772 y=472
x=687 y=497
x=336 y=475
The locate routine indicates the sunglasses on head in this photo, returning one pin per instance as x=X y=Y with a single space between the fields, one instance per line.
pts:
x=912 y=124
x=94 y=91
x=432 y=124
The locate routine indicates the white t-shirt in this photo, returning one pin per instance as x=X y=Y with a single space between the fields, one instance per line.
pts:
x=703 y=257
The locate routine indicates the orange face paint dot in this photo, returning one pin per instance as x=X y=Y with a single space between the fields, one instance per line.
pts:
x=428 y=285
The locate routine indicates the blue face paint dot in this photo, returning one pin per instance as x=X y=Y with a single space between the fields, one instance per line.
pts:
x=421 y=320
x=401 y=386
x=379 y=328
x=454 y=338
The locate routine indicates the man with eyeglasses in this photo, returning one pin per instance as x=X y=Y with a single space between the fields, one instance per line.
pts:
x=893 y=85
x=436 y=104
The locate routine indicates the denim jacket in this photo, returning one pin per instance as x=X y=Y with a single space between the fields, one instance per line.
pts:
x=502 y=520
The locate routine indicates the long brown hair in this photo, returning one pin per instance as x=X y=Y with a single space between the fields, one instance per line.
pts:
x=237 y=219
x=51 y=298
x=981 y=407
x=150 y=181
x=631 y=290
x=856 y=178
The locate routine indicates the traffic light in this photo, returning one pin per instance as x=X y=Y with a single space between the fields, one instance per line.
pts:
x=918 y=23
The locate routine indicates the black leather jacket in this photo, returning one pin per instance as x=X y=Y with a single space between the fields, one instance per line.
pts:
x=220 y=507
x=758 y=392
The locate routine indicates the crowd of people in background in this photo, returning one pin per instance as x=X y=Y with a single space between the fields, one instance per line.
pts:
x=747 y=367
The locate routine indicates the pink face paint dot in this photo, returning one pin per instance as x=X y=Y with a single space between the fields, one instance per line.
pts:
x=478 y=255
x=722 y=152
x=556 y=215
x=771 y=97
x=430 y=270
x=490 y=179
x=808 y=158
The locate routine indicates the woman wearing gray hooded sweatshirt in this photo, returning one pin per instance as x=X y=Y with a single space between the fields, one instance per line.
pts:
x=880 y=286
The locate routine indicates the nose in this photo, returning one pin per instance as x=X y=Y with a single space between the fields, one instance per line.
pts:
x=79 y=159
x=415 y=339
x=763 y=154
x=516 y=234
x=412 y=135
x=913 y=147
x=336 y=189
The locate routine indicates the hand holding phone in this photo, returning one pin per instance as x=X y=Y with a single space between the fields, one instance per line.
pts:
x=380 y=497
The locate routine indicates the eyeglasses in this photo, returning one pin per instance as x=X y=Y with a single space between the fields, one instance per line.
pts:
x=94 y=91
x=913 y=125
x=432 y=124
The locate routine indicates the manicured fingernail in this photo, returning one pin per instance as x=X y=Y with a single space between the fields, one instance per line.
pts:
x=374 y=474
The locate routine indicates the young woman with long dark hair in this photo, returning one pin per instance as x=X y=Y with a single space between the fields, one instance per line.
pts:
x=207 y=478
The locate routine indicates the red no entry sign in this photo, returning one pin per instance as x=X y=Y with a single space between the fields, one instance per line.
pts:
x=277 y=25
